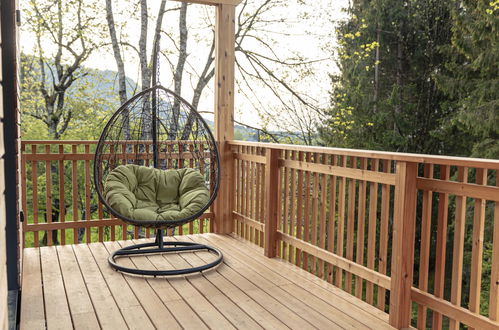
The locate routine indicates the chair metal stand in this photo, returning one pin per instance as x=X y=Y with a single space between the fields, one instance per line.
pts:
x=159 y=246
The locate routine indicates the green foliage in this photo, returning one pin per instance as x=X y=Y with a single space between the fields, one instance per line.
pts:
x=385 y=96
x=471 y=78
x=90 y=99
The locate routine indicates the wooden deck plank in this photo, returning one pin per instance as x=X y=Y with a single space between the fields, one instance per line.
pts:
x=268 y=280
x=343 y=302
x=134 y=314
x=320 y=288
x=107 y=310
x=159 y=315
x=266 y=300
x=32 y=312
x=56 y=305
x=80 y=305
x=224 y=305
x=183 y=313
x=248 y=291
x=234 y=293
x=185 y=290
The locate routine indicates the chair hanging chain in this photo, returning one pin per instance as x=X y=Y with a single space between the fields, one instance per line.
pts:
x=158 y=82
x=155 y=65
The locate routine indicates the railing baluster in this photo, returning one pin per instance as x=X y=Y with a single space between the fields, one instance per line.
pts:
x=258 y=198
x=34 y=174
x=74 y=186
x=332 y=218
x=458 y=250
x=383 y=235
x=284 y=219
x=371 y=235
x=48 y=196
x=88 y=214
x=341 y=223
x=361 y=219
x=306 y=227
x=299 y=211
x=251 y=195
x=292 y=206
x=322 y=215
x=62 y=201
x=350 y=224
x=315 y=211
x=262 y=202
x=477 y=249
x=443 y=212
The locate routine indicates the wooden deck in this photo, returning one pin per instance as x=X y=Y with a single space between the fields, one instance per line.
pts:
x=72 y=286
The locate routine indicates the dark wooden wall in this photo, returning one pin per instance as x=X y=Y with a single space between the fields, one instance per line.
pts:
x=10 y=261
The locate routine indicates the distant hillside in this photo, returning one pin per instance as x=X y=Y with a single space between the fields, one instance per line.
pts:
x=105 y=83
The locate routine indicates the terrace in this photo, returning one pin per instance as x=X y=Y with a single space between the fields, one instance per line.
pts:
x=339 y=225
x=312 y=237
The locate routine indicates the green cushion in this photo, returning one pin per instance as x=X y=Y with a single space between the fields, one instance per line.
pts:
x=145 y=193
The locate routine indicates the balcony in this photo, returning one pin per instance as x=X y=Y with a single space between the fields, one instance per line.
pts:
x=316 y=238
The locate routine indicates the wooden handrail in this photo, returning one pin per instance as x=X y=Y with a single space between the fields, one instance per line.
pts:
x=398 y=156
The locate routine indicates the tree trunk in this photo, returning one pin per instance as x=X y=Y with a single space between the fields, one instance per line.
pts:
x=179 y=70
x=121 y=67
x=399 y=82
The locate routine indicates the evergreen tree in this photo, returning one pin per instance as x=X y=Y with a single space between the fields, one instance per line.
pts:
x=472 y=76
x=385 y=96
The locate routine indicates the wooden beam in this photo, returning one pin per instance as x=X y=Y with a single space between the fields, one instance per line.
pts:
x=398 y=156
x=224 y=113
x=454 y=312
x=351 y=173
x=404 y=222
x=213 y=2
x=336 y=260
x=459 y=188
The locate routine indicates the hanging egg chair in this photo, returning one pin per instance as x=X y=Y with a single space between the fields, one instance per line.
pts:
x=157 y=166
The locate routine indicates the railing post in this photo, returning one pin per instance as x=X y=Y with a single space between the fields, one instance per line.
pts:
x=224 y=112
x=404 y=221
x=271 y=201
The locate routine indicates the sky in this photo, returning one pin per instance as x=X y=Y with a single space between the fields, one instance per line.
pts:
x=298 y=28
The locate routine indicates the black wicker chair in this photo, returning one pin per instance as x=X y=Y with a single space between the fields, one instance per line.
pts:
x=157 y=128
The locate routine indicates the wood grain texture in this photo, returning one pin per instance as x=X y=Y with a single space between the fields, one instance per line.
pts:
x=458 y=248
x=424 y=251
x=392 y=156
x=271 y=202
x=248 y=291
x=224 y=112
x=403 y=245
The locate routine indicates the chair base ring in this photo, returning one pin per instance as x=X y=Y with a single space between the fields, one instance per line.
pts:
x=163 y=247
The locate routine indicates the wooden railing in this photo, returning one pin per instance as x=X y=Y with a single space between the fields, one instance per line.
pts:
x=407 y=233
x=404 y=232
x=59 y=197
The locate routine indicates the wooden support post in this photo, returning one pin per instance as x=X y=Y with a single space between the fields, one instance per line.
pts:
x=224 y=113
x=404 y=221
x=271 y=201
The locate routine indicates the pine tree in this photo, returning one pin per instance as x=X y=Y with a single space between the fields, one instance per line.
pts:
x=471 y=79
x=385 y=96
